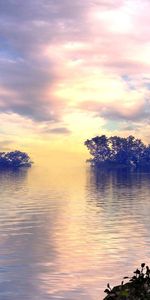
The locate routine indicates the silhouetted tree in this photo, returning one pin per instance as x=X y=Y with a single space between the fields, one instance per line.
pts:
x=128 y=152
x=14 y=159
x=99 y=148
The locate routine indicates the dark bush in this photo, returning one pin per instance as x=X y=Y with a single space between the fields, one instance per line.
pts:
x=14 y=159
x=137 y=288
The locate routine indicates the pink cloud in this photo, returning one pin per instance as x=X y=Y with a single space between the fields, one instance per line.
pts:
x=138 y=110
x=52 y=46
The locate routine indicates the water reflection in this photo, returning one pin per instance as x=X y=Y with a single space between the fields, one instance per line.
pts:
x=15 y=175
x=64 y=235
x=120 y=189
x=119 y=209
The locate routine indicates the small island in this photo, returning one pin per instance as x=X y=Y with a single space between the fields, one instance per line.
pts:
x=14 y=160
x=118 y=152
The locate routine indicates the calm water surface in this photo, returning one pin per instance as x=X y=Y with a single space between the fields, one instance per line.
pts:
x=67 y=230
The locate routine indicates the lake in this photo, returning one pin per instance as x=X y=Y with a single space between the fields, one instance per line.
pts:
x=66 y=230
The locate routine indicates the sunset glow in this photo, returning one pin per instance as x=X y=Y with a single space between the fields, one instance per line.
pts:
x=72 y=70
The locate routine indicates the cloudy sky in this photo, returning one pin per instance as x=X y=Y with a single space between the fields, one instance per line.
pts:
x=70 y=70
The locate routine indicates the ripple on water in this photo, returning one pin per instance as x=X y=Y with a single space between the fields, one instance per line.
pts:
x=64 y=235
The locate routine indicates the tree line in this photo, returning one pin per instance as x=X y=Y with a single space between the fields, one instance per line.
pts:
x=114 y=150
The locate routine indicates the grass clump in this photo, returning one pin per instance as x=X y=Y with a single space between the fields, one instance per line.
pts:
x=137 y=287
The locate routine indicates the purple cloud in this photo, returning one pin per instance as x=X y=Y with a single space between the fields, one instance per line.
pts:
x=112 y=111
x=59 y=130
x=35 y=61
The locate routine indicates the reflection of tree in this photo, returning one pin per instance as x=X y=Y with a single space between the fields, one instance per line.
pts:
x=119 y=207
x=117 y=187
x=12 y=177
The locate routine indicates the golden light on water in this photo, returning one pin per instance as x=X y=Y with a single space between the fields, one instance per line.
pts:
x=84 y=227
x=71 y=70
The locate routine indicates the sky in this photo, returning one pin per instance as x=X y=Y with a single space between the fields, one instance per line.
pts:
x=71 y=70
